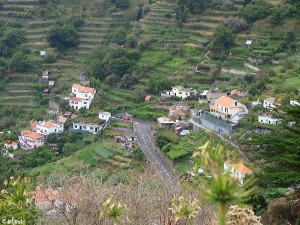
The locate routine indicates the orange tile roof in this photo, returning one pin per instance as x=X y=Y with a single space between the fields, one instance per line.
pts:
x=76 y=99
x=225 y=101
x=49 y=125
x=235 y=91
x=33 y=123
x=240 y=167
x=32 y=135
x=147 y=98
x=10 y=143
x=62 y=119
x=180 y=112
x=83 y=88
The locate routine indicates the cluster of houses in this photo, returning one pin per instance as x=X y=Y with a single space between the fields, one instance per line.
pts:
x=81 y=98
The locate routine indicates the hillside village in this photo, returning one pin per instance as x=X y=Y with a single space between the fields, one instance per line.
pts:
x=177 y=92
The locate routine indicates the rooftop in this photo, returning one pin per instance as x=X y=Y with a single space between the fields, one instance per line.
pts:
x=240 y=167
x=31 y=134
x=225 y=101
x=76 y=99
x=83 y=88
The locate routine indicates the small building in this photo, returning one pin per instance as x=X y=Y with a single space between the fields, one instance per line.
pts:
x=165 y=122
x=238 y=170
x=105 y=116
x=62 y=119
x=148 y=98
x=130 y=137
x=212 y=96
x=11 y=144
x=184 y=133
x=203 y=95
x=248 y=43
x=82 y=127
x=268 y=119
x=235 y=92
x=42 y=53
x=29 y=140
x=271 y=103
x=179 y=111
x=228 y=108
x=181 y=92
x=45 y=128
x=256 y=103
x=294 y=102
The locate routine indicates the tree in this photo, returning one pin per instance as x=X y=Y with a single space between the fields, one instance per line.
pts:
x=236 y=24
x=19 y=62
x=123 y=4
x=223 y=39
x=255 y=10
x=279 y=150
x=63 y=37
x=277 y=15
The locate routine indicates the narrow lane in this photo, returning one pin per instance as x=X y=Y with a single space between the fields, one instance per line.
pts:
x=143 y=131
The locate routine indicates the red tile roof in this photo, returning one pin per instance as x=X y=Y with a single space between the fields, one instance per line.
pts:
x=32 y=135
x=225 y=101
x=62 y=119
x=11 y=143
x=148 y=97
x=83 y=88
x=180 y=112
x=235 y=92
x=240 y=167
x=76 y=99
x=49 y=125
x=33 y=123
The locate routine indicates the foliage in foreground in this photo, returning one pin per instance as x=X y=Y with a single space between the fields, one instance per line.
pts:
x=15 y=202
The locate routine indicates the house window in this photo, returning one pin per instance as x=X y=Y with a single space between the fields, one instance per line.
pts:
x=235 y=103
x=83 y=127
x=85 y=95
x=75 y=126
x=85 y=103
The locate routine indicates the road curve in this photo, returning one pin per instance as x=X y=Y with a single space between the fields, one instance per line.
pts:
x=143 y=131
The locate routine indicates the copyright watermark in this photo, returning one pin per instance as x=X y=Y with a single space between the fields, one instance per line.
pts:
x=12 y=221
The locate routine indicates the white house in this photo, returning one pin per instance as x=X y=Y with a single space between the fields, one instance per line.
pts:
x=268 y=119
x=270 y=103
x=49 y=127
x=105 y=116
x=165 y=122
x=11 y=144
x=81 y=96
x=228 y=108
x=82 y=127
x=29 y=140
x=181 y=92
x=238 y=170
x=256 y=103
x=294 y=102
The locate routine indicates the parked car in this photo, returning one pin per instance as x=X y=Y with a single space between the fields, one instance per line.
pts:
x=117 y=117
x=126 y=118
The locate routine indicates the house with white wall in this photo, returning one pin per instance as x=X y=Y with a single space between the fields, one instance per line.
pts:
x=228 y=108
x=11 y=144
x=45 y=128
x=105 y=116
x=29 y=140
x=81 y=96
x=238 y=170
x=83 y=127
x=271 y=103
x=181 y=92
x=268 y=119
x=294 y=102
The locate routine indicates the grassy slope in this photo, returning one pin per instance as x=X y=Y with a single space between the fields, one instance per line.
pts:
x=101 y=157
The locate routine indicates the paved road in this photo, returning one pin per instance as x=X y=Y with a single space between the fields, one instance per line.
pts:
x=143 y=131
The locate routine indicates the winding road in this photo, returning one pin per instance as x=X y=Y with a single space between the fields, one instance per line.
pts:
x=143 y=131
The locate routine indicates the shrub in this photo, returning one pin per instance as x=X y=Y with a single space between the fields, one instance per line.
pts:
x=255 y=10
x=50 y=57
